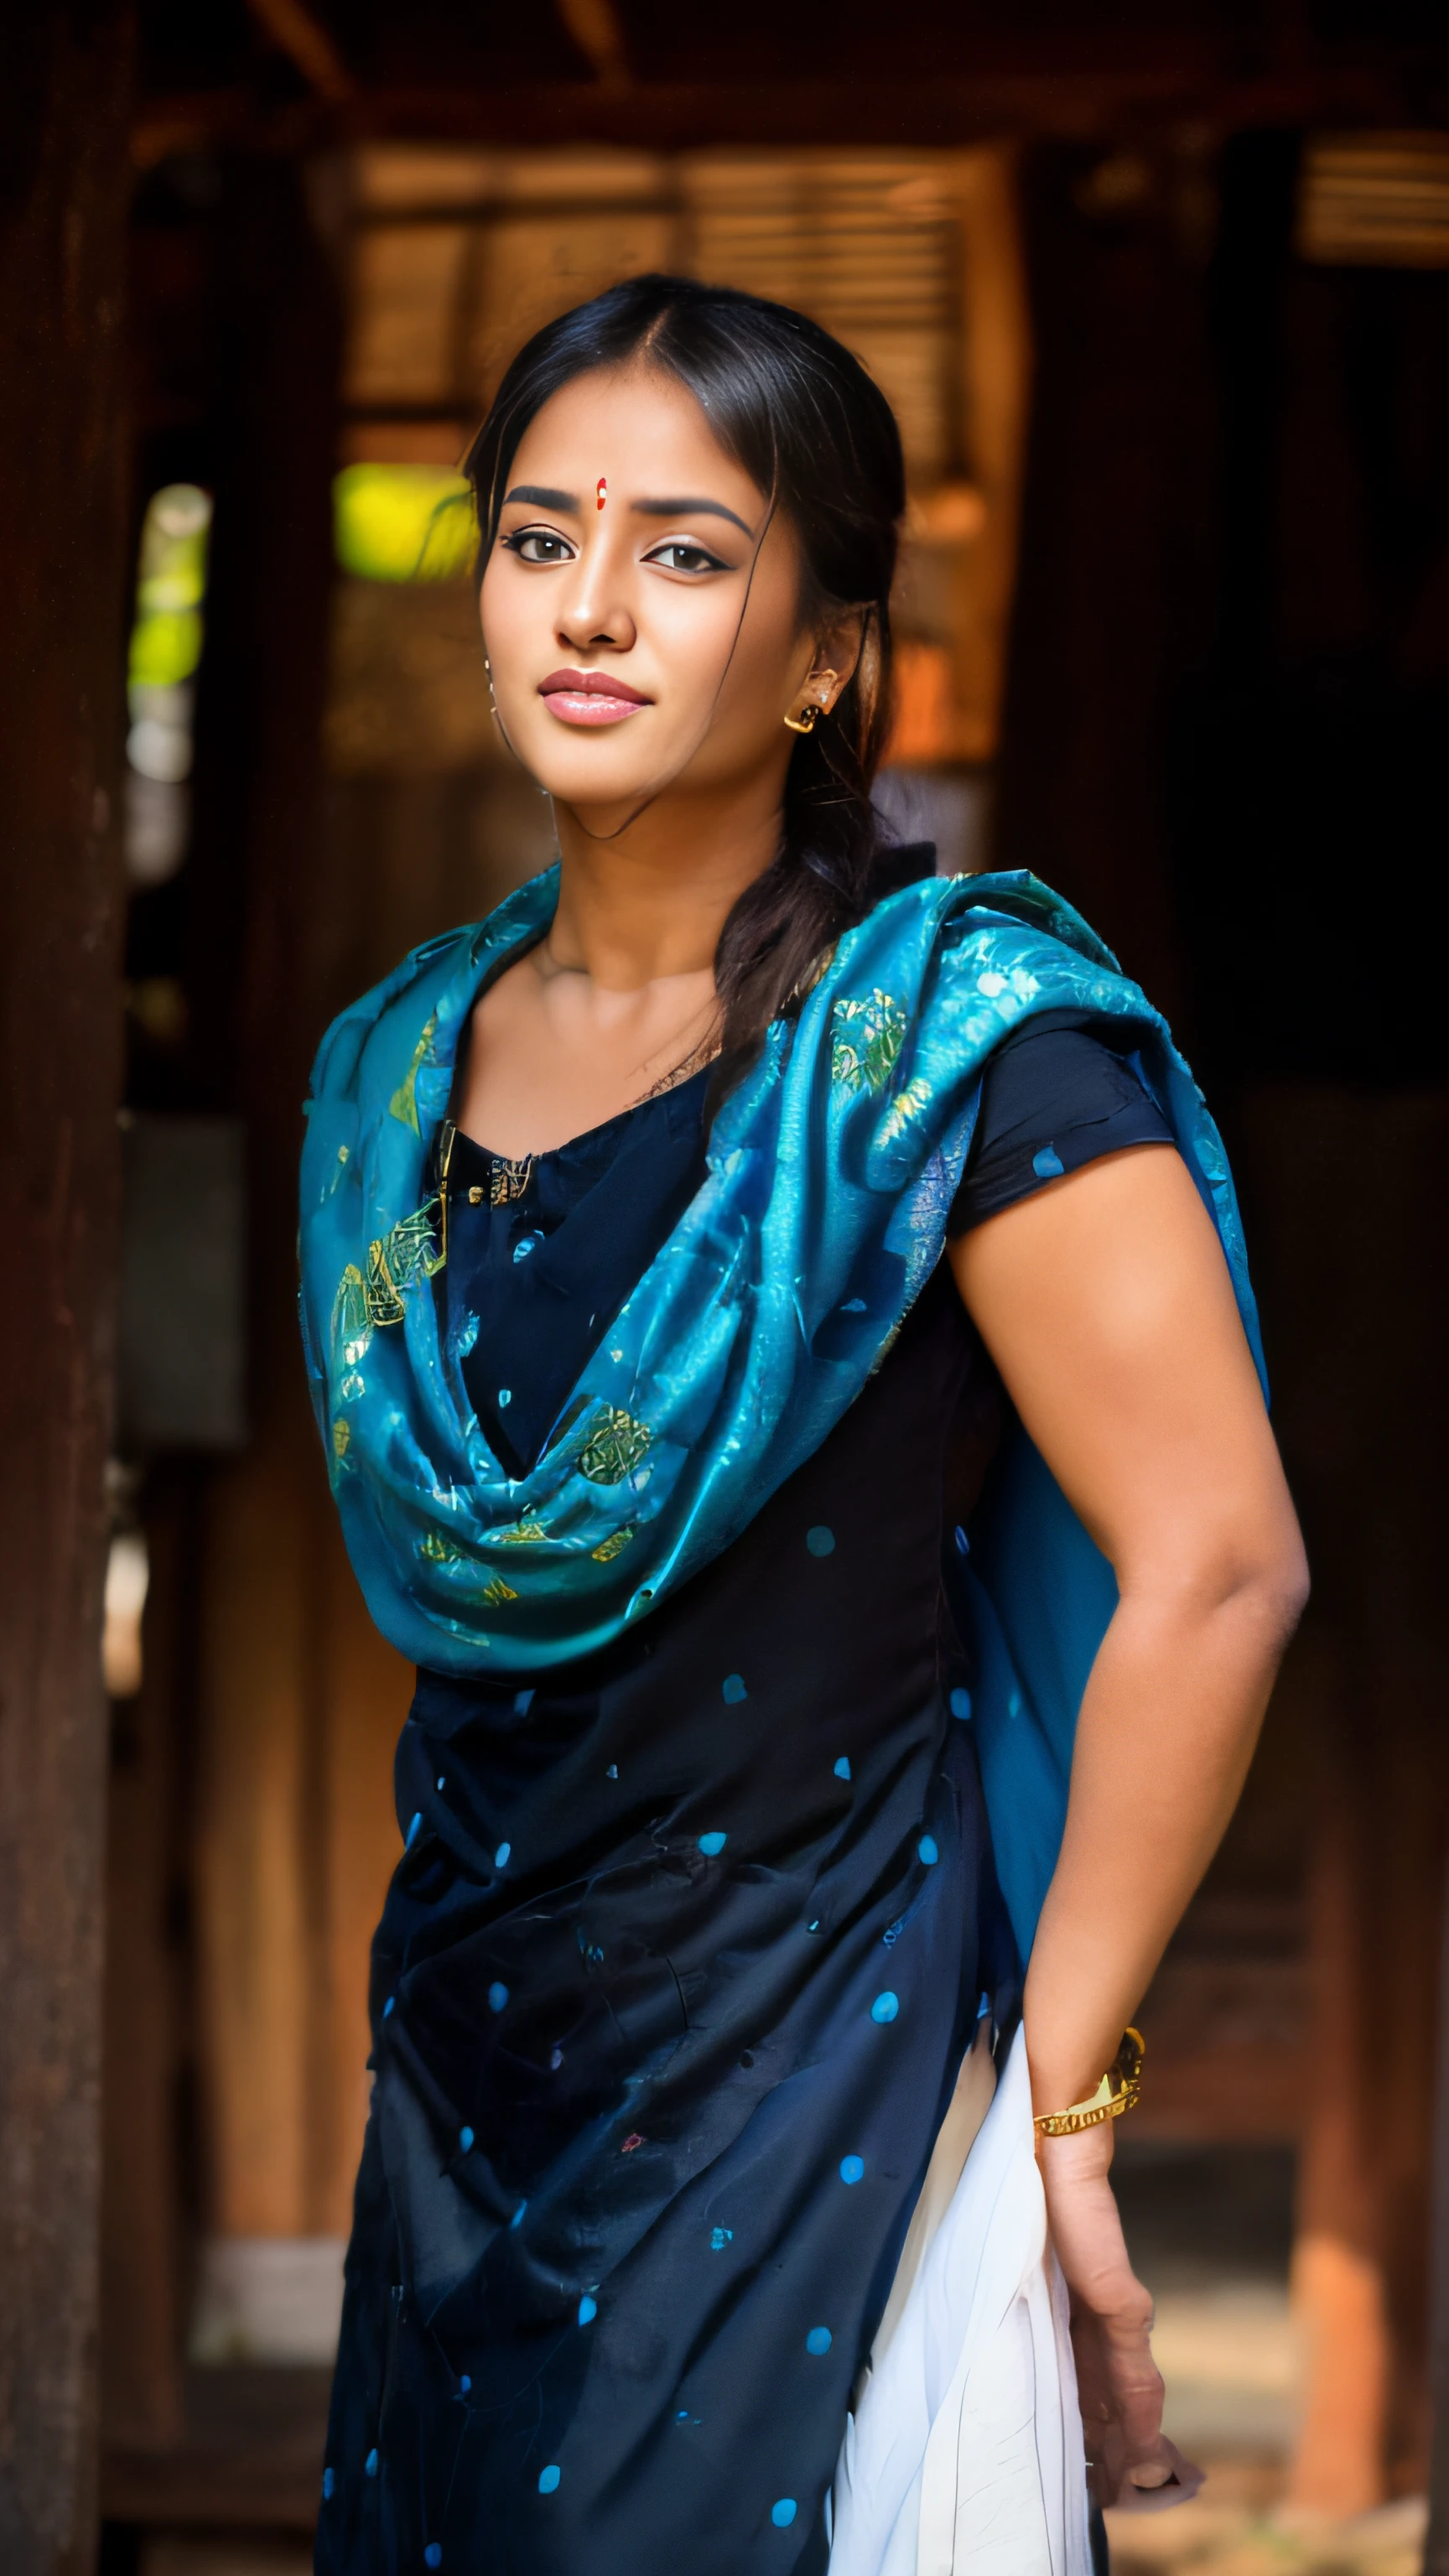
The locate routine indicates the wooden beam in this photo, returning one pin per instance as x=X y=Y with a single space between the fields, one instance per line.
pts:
x=595 y=28
x=308 y=47
x=960 y=102
x=63 y=191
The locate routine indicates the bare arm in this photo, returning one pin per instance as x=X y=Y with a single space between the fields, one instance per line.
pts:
x=1106 y=1304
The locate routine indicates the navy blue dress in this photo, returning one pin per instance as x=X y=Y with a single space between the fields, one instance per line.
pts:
x=676 y=1972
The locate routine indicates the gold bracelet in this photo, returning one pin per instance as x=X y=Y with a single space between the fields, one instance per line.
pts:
x=1120 y=2090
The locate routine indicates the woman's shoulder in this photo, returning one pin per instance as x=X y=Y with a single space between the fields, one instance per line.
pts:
x=1018 y=914
x=965 y=959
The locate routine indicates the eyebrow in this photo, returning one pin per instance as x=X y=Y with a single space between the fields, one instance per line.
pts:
x=690 y=509
x=542 y=496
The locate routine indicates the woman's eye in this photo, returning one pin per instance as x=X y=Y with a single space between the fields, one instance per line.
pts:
x=538 y=546
x=679 y=557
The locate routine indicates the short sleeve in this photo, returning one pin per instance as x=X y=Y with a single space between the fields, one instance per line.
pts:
x=1060 y=1092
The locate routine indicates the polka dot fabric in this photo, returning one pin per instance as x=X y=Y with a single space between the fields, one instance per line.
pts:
x=691 y=1968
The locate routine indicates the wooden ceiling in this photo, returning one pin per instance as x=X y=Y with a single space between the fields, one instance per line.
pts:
x=674 y=73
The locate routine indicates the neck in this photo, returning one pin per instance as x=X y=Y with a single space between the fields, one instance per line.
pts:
x=652 y=901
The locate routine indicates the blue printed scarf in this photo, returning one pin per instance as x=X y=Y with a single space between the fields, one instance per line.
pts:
x=831 y=1172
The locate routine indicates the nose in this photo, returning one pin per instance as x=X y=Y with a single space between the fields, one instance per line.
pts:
x=593 y=608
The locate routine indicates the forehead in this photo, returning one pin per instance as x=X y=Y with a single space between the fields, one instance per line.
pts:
x=639 y=427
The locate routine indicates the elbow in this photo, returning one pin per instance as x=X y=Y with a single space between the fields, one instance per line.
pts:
x=1267 y=1588
x=1285 y=1586
x=1298 y=1584
x=1251 y=1584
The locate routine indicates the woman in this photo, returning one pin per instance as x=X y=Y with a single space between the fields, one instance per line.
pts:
x=740 y=1536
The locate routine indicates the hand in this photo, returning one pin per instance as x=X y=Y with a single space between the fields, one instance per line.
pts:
x=1118 y=2383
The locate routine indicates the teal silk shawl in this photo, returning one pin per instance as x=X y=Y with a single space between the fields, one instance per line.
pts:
x=831 y=1172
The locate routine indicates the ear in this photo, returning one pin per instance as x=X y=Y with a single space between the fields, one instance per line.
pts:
x=837 y=651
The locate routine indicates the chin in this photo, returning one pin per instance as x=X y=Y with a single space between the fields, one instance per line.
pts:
x=591 y=780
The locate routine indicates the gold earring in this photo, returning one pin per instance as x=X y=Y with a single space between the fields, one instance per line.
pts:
x=813 y=708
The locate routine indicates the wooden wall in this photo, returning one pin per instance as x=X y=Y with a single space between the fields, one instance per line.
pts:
x=63 y=186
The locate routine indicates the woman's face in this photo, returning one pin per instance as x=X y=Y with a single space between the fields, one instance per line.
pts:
x=641 y=606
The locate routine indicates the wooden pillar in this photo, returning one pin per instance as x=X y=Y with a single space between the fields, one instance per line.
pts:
x=368 y=1688
x=1436 y=2546
x=257 y=979
x=996 y=394
x=1115 y=597
x=63 y=192
x=1353 y=1304
x=143 y=2209
x=1337 y=2281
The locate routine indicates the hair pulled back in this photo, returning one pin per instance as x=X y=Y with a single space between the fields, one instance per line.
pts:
x=811 y=429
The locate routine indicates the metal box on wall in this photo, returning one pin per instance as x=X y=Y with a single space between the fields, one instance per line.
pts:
x=182 y=1373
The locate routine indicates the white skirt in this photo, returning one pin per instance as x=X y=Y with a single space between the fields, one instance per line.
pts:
x=964 y=2450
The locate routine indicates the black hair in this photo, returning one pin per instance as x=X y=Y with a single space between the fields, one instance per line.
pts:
x=811 y=428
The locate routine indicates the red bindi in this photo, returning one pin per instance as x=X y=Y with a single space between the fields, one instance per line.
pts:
x=601 y=491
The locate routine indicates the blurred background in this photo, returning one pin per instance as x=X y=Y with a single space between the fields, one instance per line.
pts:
x=1161 y=296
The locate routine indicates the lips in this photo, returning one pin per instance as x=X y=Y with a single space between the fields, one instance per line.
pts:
x=590 y=697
